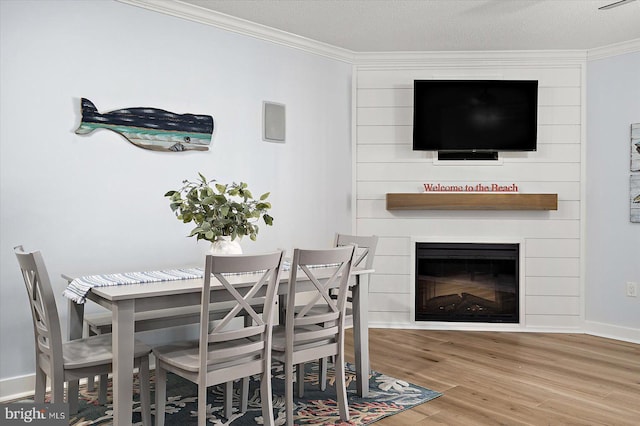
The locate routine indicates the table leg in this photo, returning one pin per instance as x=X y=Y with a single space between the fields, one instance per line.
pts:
x=75 y=323
x=75 y=320
x=282 y=306
x=360 y=294
x=123 y=342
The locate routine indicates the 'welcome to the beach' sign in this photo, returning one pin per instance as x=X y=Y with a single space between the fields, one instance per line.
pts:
x=479 y=187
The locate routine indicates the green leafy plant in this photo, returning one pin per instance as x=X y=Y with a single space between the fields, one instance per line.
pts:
x=219 y=210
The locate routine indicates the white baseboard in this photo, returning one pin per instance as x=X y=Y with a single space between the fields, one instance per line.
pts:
x=464 y=326
x=23 y=386
x=17 y=387
x=20 y=387
x=626 y=334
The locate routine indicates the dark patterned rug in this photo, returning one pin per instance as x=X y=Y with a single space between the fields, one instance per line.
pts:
x=387 y=396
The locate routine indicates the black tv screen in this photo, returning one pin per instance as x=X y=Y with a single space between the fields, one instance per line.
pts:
x=475 y=115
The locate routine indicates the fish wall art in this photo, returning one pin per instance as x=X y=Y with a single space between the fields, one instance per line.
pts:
x=150 y=128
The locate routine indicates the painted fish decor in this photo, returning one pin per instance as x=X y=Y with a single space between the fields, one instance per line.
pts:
x=150 y=128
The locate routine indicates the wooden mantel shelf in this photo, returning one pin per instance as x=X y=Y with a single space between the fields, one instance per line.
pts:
x=471 y=201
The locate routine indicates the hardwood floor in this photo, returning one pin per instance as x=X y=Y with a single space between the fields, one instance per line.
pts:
x=503 y=378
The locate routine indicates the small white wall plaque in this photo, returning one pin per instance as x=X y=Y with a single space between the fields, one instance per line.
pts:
x=273 y=122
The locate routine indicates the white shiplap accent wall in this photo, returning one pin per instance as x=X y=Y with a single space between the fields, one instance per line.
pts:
x=385 y=162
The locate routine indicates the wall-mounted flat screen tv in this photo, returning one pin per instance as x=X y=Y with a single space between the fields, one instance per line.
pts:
x=475 y=115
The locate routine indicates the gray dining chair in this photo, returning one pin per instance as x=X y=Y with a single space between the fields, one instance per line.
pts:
x=313 y=321
x=226 y=351
x=73 y=360
x=97 y=324
x=363 y=258
x=365 y=254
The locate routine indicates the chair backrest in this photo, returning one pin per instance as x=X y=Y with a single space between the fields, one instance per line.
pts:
x=220 y=270
x=46 y=323
x=366 y=248
x=311 y=275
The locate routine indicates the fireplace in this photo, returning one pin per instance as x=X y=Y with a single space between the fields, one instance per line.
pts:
x=470 y=282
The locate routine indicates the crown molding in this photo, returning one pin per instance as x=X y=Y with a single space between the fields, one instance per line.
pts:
x=617 y=49
x=241 y=26
x=469 y=58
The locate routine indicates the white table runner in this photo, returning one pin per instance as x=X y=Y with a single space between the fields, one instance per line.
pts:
x=78 y=288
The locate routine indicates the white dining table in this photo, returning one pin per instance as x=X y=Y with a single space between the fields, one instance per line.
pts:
x=124 y=301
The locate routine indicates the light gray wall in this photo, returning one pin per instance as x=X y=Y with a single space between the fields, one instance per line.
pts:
x=613 y=242
x=95 y=203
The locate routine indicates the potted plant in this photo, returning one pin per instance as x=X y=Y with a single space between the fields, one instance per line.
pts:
x=222 y=213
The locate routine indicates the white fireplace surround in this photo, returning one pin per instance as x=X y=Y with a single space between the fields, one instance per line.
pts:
x=551 y=242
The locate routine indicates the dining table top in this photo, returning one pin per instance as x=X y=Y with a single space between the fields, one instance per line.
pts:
x=184 y=286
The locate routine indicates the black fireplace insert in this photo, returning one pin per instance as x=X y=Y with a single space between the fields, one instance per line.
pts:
x=469 y=282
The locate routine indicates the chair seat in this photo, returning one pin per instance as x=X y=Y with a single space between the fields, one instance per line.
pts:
x=185 y=355
x=279 y=339
x=348 y=314
x=95 y=350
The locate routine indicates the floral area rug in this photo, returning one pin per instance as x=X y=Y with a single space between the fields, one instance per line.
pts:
x=387 y=396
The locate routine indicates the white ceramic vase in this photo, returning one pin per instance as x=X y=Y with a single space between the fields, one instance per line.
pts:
x=224 y=245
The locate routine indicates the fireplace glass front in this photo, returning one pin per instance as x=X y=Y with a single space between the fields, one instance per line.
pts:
x=470 y=282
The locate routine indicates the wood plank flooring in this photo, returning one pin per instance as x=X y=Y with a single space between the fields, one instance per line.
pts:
x=504 y=378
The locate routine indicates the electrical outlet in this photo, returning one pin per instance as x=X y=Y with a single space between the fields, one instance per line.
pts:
x=632 y=289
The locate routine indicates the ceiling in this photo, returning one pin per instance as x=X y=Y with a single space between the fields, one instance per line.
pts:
x=440 y=25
